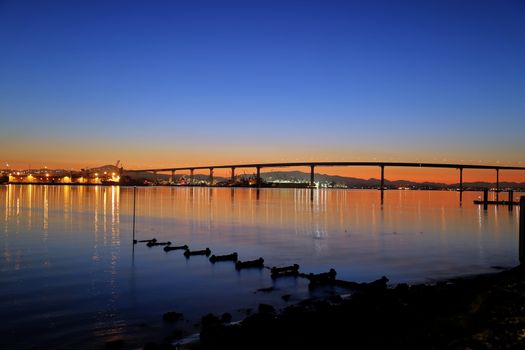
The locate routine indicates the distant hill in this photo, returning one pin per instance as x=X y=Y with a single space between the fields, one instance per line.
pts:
x=299 y=176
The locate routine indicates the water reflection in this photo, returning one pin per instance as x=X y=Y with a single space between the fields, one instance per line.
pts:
x=70 y=245
x=308 y=212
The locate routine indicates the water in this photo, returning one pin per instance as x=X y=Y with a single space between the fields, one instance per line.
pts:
x=71 y=277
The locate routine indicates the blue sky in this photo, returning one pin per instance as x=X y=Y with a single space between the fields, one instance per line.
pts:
x=179 y=82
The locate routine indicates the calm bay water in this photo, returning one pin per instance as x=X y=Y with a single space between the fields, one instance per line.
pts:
x=71 y=277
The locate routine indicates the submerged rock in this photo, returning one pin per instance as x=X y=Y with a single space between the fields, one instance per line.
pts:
x=258 y=263
x=172 y=316
x=189 y=253
x=229 y=257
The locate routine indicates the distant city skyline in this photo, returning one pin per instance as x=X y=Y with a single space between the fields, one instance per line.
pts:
x=166 y=83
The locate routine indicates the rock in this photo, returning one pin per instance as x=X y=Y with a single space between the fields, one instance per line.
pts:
x=258 y=263
x=189 y=253
x=402 y=287
x=230 y=257
x=115 y=344
x=151 y=346
x=226 y=317
x=266 y=309
x=172 y=316
x=336 y=299
x=210 y=320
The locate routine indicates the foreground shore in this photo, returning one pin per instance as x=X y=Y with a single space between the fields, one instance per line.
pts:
x=480 y=312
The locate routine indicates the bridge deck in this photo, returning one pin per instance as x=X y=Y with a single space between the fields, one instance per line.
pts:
x=330 y=164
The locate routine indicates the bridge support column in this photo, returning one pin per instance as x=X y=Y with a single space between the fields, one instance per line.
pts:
x=511 y=200
x=312 y=176
x=497 y=184
x=170 y=180
x=382 y=183
x=485 y=198
x=382 y=177
x=191 y=176
x=460 y=186
x=460 y=179
x=258 y=176
x=522 y=231
x=211 y=176
x=233 y=175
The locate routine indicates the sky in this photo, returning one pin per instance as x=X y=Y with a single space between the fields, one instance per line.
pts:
x=181 y=83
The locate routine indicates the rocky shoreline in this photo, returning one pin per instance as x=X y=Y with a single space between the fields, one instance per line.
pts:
x=479 y=312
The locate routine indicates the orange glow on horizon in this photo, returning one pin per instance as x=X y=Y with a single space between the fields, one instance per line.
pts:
x=193 y=158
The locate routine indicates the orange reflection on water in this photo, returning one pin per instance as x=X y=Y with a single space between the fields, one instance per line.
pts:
x=319 y=228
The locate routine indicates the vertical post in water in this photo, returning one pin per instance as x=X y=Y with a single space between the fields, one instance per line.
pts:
x=511 y=199
x=233 y=175
x=134 y=200
x=312 y=176
x=485 y=198
x=497 y=184
x=522 y=230
x=258 y=179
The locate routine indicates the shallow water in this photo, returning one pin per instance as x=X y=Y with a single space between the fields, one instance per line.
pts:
x=71 y=276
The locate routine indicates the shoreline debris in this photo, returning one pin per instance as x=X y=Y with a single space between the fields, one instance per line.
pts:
x=292 y=270
x=177 y=247
x=154 y=244
x=229 y=257
x=258 y=263
x=322 y=278
x=189 y=253
x=153 y=240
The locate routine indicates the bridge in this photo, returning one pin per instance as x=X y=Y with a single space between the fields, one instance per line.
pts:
x=312 y=165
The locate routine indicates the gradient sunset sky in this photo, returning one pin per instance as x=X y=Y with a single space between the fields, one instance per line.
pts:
x=173 y=83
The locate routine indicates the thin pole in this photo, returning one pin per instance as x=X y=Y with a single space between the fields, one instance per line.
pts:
x=134 y=200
